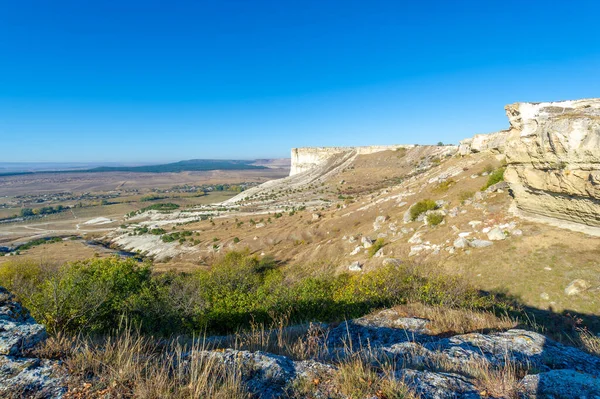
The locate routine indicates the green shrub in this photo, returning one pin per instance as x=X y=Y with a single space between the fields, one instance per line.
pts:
x=23 y=277
x=239 y=289
x=496 y=177
x=377 y=245
x=39 y=241
x=434 y=219
x=86 y=296
x=421 y=207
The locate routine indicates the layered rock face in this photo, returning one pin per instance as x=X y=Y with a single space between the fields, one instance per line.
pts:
x=307 y=158
x=495 y=142
x=553 y=156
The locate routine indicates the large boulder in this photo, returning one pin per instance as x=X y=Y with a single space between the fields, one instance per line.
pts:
x=494 y=142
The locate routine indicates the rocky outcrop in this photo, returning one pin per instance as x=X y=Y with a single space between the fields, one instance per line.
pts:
x=22 y=376
x=431 y=366
x=494 y=142
x=307 y=158
x=553 y=155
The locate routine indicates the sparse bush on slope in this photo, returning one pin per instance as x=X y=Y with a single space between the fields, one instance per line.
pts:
x=495 y=177
x=434 y=219
x=377 y=245
x=421 y=207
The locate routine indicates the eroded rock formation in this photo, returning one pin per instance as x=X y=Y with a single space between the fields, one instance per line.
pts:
x=307 y=158
x=553 y=155
x=495 y=142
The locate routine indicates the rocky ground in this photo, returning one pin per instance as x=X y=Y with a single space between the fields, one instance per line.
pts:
x=511 y=363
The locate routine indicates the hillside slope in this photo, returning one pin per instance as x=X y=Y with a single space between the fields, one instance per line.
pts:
x=327 y=218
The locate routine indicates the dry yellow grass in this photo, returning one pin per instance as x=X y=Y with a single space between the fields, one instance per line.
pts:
x=131 y=366
x=589 y=342
x=498 y=382
x=357 y=378
x=455 y=321
x=128 y=365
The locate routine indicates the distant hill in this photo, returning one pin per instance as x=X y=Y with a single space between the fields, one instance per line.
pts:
x=181 y=166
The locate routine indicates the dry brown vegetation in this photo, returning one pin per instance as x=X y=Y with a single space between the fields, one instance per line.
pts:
x=129 y=365
x=449 y=321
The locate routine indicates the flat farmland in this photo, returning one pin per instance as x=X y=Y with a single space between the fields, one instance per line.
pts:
x=47 y=183
x=97 y=202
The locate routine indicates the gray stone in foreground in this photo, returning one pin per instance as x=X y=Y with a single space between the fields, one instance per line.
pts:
x=265 y=374
x=29 y=378
x=18 y=337
x=431 y=385
x=18 y=330
x=521 y=346
x=24 y=377
x=562 y=384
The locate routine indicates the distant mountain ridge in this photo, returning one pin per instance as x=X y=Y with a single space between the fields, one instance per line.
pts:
x=174 y=167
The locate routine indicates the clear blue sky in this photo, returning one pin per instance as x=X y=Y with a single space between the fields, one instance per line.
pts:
x=165 y=80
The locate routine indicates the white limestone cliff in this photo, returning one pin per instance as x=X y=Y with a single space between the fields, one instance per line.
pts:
x=307 y=158
x=553 y=156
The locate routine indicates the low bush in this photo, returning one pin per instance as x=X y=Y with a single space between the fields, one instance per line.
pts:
x=495 y=177
x=421 y=207
x=377 y=245
x=434 y=219
x=89 y=295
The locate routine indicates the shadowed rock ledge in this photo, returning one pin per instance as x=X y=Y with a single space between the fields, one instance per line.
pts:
x=22 y=376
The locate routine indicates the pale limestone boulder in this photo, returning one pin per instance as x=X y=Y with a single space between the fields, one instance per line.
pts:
x=496 y=234
x=367 y=242
x=493 y=142
x=355 y=266
x=480 y=243
x=461 y=242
